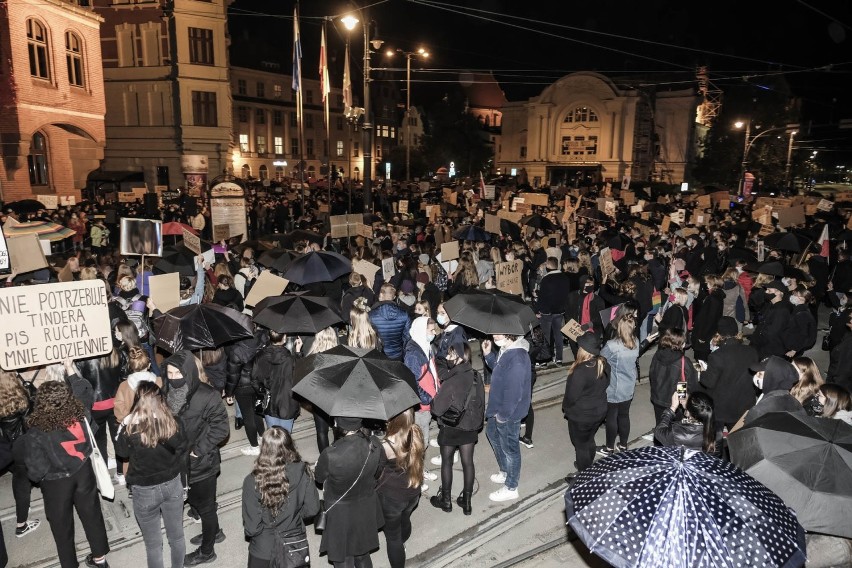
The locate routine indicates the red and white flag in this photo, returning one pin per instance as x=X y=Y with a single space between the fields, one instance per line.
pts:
x=325 y=87
x=823 y=242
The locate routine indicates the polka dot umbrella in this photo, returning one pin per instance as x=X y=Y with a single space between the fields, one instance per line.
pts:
x=673 y=507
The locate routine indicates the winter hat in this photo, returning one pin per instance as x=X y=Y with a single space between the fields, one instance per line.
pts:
x=422 y=278
x=424 y=259
x=728 y=326
x=590 y=343
x=779 y=374
x=407 y=286
x=348 y=423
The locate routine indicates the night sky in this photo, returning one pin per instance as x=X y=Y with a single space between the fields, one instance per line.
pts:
x=530 y=44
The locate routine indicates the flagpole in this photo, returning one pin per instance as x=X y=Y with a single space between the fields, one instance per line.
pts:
x=297 y=84
x=326 y=95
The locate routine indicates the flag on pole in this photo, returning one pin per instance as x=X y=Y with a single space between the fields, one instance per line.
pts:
x=297 y=52
x=347 y=81
x=325 y=87
x=823 y=242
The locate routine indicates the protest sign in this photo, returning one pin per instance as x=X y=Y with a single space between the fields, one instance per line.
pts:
x=704 y=202
x=432 y=212
x=141 y=236
x=366 y=269
x=825 y=205
x=539 y=199
x=635 y=209
x=625 y=183
x=572 y=330
x=628 y=197
x=49 y=201
x=607 y=266
x=791 y=216
x=388 y=269
x=610 y=208
x=492 y=224
x=68 y=200
x=508 y=276
x=488 y=192
x=664 y=226
x=49 y=323
x=221 y=233
x=449 y=251
x=424 y=186
x=25 y=254
x=191 y=241
x=571 y=228
x=5 y=262
x=403 y=206
x=766 y=230
x=164 y=290
x=266 y=285
x=761 y=251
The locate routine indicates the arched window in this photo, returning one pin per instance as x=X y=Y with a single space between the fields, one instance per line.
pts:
x=37 y=160
x=579 y=134
x=37 y=47
x=357 y=173
x=264 y=172
x=246 y=171
x=74 y=58
x=581 y=114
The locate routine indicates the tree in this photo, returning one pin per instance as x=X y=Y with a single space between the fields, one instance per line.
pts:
x=455 y=135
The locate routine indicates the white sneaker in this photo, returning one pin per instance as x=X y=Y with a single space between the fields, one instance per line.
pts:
x=504 y=494
x=649 y=437
x=424 y=488
x=251 y=451
x=433 y=442
x=429 y=476
x=437 y=459
x=119 y=478
x=499 y=477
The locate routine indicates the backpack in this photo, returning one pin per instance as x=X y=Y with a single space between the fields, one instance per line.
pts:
x=136 y=317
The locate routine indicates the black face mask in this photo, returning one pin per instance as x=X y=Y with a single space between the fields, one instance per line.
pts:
x=177 y=383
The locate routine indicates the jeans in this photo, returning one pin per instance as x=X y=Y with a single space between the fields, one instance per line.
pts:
x=503 y=437
x=617 y=422
x=397 y=526
x=423 y=418
x=61 y=497
x=582 y=436
x=150 y=503
x=551 y=328
x=202 y=498
x=284 y=423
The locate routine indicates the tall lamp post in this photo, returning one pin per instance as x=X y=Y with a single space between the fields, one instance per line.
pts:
x=789 y=162
x=749 y=143
x=408 y=57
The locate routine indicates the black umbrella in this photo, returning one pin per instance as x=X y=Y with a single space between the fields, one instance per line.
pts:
x=176 y=259
x=360 y=383
x=472 y=233
x=510 y=229
x=491 y=314
x=593 y=214
x=263 y=243
x=797 y=273
x=739 y=253
x=277 y=259
x=25 y=206
x=679 y=508
x=200 y=326
x=303 y=235
x=537 y=221
x=807 y=461
x=370 y=218
x=790 y=242
x=316 y=266
x=773 y=268
x=297 y=314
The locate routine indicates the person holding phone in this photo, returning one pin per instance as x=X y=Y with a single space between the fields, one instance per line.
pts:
x=669 y=367
x=696 y=430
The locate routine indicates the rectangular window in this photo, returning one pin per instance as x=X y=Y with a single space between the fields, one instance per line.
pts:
x=354 y=149
x=309 y=121
x=244 y=146
x=38 y=169
x=393 y=132
x=309 y=96
x=340 y=148
x=279 y=145
x=592 y=148
x=242 y=114
x=309 y=147
x=340 y=123
x=204 y=108
x=260 y=144
x=259 y=116
x=523 y=151
x=201 y=46
x=277 y=91
x=294 y=147
x=277 y=118
x=241 y=86
x=261 y=90
x=151 y=45
x=125 y=41
x=293 y=119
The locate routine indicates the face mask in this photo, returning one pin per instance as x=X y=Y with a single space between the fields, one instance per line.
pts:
x=501 y=342
x=713 y=348
x=758 y=382
x=177 y=383
x=443 y=320
x=739 y=270
x=431 y=337
x=451 y=363
x=786 y=282
x=795 y=300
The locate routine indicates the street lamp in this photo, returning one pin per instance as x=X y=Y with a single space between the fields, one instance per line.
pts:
x=789 y=156
x=408 y=56
x=749 y=142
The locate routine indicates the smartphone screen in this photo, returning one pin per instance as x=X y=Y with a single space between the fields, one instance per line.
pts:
x=681 y=390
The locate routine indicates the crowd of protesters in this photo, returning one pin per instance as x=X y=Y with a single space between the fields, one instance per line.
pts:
x=729 y=345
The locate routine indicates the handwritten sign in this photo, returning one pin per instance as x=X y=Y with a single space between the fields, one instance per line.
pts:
x=539 y=199
x=571 y=228
x=825 y=205
x=191 y=241
x=449 y=251
x=572 y=330
x=791 y=216
x=664 y=226
x=508 y=276
x=488 y=192
x=366 y=269
x=704 y=202
x=628 y=197
x=49 y=323
x=388 y=269
x=766 y=230
x=221 y=232
x=164 y=290
x=403 y=206
x=607 y=266
x=49 y=201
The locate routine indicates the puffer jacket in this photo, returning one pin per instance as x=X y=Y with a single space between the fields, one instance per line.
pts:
x=392 y=324
x=671 y=432
x=273 y=371
x=454 y=391
x=204 y=416
x=241 y=357
x=104 y=380
x=622 y=364
x=666 y=369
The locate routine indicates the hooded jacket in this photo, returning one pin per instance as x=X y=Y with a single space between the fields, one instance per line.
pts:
x=420 y=360
x=392 y=324
x=273 y=370
x=454 y=392
x=801 y=332
x=778 y=378
x=667 y=366
x=511 y=382
x=728 y=380
x=241 y=356
x=203 y=414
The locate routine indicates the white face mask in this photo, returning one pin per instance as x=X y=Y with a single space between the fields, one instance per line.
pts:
x=785 y=282
x=758 y=381
x=442 y=319
x=713 y=348
x=795 y=300
x=501 y=342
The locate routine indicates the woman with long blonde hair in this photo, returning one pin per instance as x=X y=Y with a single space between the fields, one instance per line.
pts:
x=401 y=466
x=155 y=445
x=361 y=331
x=278 y=496
x=465 y=277
x=806 y=391
x=323 y=341
x=621 y=353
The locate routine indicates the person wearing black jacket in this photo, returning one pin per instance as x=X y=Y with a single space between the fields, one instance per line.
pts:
x=104 y=374
x=669 y=367
x=273 y=373
x=705 y=321
x=696 y=430
x=241 y=356
x=357 y=289
x=840 y=365
x=551 y=304
x=801 y=332
x=584 y=307
x=459 y=379
x=768 y=337
x=204 y=415
x=727 y=378
x=156 y=472
x=584 y=404
x=427 y=291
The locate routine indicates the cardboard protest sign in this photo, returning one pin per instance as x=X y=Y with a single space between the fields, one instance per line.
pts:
x=191 y=241
x=512 y=216
x=164 y=290
x=704 y=202
x=628 y=197
x=540 y=199
x=625 y=183
x=266 y=285
x=49 y=201
x=449 y=251
x=572 y=330
x=508 y=276
x=607 y=266
x=610 y=208
x=432 y=212
x=766 y=230
x=635 y=209
x=221 y=233
x=489 y=191
x=403 y=206
x=388 y=269
x=492 y=224
x=424 y=186
x=49 y=323
x=664 y=226
x=761 y=251
x=25 y=253
x=366 y=269
x=571 y=228
x=825 y=205
x=791 y=216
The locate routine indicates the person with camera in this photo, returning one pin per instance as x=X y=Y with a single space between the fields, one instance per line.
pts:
x=696 y=430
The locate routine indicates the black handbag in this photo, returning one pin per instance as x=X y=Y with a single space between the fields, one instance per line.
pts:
x=291 y=550
x=322 y=516
x=453 y=415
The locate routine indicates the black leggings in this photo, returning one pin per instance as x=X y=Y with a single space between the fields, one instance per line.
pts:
x=363 y=561
x=105 y=419
x=322 y=423
x=617 y=422
x=468 y=469
x=529 y=421
x=251 y=421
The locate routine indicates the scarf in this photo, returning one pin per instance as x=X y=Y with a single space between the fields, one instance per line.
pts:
x=585 y=315
x=177 y=398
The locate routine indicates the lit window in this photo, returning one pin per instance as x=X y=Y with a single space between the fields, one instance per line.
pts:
x=279 y=145
x=246 y=171
x=277 y=91
x=340 y=148
x=37 y=160
x=354 y=149
x=264 y=172
x=279 y=173
x=74 y=59
x=581 y=114
x=37 y=46
x=260 y=144
x=244 y=146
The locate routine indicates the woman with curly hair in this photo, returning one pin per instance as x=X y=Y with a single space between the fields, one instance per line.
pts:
x=15 y=405
x=361 y=331
x=155 y=446
x=58 y=450
x=278 y=496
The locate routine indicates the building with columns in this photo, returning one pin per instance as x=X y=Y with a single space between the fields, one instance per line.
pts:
x=52 y=98
x=586 y=128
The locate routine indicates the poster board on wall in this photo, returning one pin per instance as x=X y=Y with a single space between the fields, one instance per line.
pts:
x=228 y=208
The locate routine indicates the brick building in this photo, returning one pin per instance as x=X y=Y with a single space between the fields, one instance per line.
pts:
x=51 y=98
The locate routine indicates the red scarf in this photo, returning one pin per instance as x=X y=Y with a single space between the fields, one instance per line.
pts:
x=585 y=316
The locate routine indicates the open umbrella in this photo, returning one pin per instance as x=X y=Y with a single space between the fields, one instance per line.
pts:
x=25 y=206
x=739 y=253
x=268 y=242
x=491 y=313
x=510 y=229
x=177 y=229
x=200 y=326
x=594 y=214
x=303 y=235
x=277 y=259
x=44 y=230
x=673 y=507
x=807 y=461
x=790 y=242
x=176 y=259
x=797 y=273
x=297 y=314
x=360 y=383
x=472 y=233
x=319 y=266
x=537 y=221
x=773 y=268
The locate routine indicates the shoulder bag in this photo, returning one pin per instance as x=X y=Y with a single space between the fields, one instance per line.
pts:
x=102 y=477
x=291 y=550
x=319 y=522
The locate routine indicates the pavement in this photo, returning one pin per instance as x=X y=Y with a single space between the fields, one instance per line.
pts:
x=528 y=532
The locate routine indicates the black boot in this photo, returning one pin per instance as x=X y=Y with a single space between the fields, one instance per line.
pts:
x=238 y=422
x=463 y=501
x=443 y=500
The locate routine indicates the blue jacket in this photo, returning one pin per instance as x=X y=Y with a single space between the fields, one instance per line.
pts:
x=622 y=364
x=511 y=382
x=448 y=337
x=418 y=363
x=392 y=324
